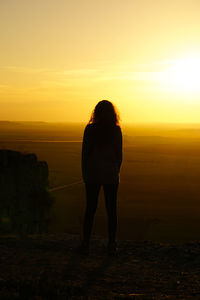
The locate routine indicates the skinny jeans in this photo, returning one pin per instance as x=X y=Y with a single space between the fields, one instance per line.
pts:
x=110 y=195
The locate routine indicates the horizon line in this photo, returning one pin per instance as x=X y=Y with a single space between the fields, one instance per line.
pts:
x=82 y=122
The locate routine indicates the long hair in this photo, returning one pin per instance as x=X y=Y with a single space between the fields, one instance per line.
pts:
x=105 y=114
x=106 y=117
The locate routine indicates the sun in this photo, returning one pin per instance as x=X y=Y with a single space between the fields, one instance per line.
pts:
x=183 y=75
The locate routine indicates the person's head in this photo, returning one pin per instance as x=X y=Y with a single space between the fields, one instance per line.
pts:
x=105 y=113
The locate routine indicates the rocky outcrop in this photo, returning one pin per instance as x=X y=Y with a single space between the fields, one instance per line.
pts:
x=24 y=199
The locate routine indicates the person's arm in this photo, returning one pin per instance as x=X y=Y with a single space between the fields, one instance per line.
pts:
x=86 y=149
x=119 y=147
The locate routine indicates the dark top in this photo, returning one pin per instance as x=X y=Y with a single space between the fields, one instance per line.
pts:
x=101 y=154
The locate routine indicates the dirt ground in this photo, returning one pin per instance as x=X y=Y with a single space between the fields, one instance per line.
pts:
x=48 y=267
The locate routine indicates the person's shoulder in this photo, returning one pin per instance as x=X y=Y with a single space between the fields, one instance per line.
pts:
x=118 y=132
x=118 y=128
x=92 y=124
x=89 y=128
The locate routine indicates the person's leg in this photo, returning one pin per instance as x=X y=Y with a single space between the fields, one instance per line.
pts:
x=110 y=193
x=92 y=193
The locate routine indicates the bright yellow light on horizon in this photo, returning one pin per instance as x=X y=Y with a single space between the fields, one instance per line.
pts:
x=59 y=58
x=182 y=76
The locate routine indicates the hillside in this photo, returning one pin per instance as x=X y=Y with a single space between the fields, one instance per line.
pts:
x=48 y=268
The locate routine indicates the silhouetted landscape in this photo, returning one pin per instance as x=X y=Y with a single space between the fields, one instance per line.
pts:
x=159 y=184
x=159 y=217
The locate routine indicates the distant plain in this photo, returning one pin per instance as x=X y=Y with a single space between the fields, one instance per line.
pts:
x=159 y=193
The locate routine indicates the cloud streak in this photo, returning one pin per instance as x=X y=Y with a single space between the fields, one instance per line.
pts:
x=46 y=78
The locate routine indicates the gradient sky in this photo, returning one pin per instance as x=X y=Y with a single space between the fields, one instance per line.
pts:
x=58 y=58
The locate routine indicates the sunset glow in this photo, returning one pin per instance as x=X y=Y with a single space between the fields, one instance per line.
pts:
x=183 y=76
x=59 y=58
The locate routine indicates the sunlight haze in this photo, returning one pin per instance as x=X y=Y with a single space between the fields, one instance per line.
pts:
x=59 y=58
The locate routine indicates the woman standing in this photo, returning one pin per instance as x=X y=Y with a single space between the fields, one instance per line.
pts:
x=101 y=162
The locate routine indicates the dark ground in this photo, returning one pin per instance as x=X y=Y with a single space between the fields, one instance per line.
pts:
x=47 y=267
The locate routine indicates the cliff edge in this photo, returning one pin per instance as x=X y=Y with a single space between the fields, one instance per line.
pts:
x=24 y=199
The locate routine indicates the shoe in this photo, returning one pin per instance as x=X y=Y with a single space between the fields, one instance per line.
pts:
x=83 y=249
x=112 y=249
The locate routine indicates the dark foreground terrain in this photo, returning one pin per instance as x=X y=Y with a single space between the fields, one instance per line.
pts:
x=48 y=267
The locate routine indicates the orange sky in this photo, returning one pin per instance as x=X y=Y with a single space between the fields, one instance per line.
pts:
x=59 y=58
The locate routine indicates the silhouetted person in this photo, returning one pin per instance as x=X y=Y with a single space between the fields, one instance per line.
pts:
x=101 y=162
